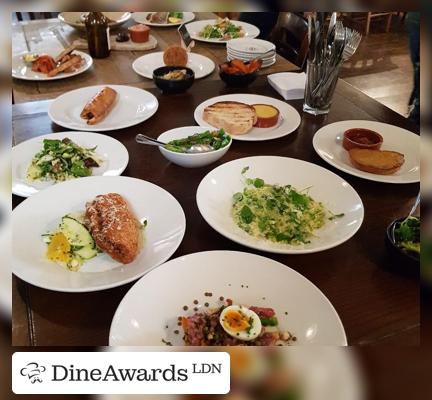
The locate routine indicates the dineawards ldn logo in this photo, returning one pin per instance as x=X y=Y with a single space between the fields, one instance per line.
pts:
x=121 y=372
x=33 y=372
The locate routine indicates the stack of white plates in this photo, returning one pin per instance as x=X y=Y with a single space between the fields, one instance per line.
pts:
x=247 y=49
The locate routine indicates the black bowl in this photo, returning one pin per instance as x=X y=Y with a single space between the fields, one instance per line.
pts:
x=238 y=79
x=400 y=259
x=173 y=86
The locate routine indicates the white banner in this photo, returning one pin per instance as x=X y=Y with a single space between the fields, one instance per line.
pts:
x=120 y=373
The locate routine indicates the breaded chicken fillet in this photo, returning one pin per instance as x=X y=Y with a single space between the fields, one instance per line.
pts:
x=113 y=227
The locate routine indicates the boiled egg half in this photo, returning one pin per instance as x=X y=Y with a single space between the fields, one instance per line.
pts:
x=240 y=322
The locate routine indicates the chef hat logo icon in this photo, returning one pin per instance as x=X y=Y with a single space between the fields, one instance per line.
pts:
x=33 y=371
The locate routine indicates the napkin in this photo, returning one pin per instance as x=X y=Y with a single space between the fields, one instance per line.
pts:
x=81 y=44
x=290 y=85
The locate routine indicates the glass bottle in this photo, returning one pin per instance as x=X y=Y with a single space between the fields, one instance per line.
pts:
x=98 y=34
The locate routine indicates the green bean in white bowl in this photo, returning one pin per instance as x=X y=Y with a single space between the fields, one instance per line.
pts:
x=178 y=140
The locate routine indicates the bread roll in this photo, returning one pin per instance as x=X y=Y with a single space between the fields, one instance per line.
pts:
x=380 y=162
x=175 y=56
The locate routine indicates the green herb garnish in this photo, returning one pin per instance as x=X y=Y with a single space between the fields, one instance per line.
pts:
x=271 y=321
x=336 y=216
x=279 y=213
x=246 y=215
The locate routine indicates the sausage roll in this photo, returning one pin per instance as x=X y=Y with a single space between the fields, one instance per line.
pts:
x=99 y=106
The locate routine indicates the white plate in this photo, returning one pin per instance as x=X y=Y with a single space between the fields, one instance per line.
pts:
x=327 y=142
x=289 y=119
x=22 y=70
x=141 y=18
x=113 y=153
x=320 y=372
x=5 y=253
x=145 y=65
x=269 y=63
x=249 y=56
x=250 y=46
x=42 y=213
x=76 y=18
x=132 y=106
x=5 y=275
x=194 y=28
x=5 y=225
x=158 y=299
x=214 y=199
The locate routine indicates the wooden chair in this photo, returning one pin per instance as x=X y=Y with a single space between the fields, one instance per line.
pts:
x=290 y=37
x=365 y=19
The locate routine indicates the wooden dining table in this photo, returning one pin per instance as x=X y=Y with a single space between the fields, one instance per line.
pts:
x=37 y=36
x=376 y=303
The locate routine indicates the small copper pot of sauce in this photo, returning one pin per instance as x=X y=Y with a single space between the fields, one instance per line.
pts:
x=362 y=138
x=139 y=33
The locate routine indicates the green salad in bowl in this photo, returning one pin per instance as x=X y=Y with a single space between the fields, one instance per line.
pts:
x=407 y=235
x=402 y=241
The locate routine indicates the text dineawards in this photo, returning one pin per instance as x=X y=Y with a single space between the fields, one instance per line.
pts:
x=112 y=374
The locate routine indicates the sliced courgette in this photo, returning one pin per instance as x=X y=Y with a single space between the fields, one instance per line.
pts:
x=87 y=252
x=76 y=233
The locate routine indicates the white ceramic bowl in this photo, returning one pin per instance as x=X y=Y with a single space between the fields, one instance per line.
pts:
x=149 y=311
x=76 y=19
x=162 y=235
x=214 y=200
x=190 y=160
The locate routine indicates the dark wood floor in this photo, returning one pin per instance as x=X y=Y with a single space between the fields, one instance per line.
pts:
x=382 y=67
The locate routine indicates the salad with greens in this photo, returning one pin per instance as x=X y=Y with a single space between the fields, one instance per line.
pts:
x=278 y=213
x=60 y=160
x=217 y=139
x=223 y=29
x=407 y=235
x=178 y=15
